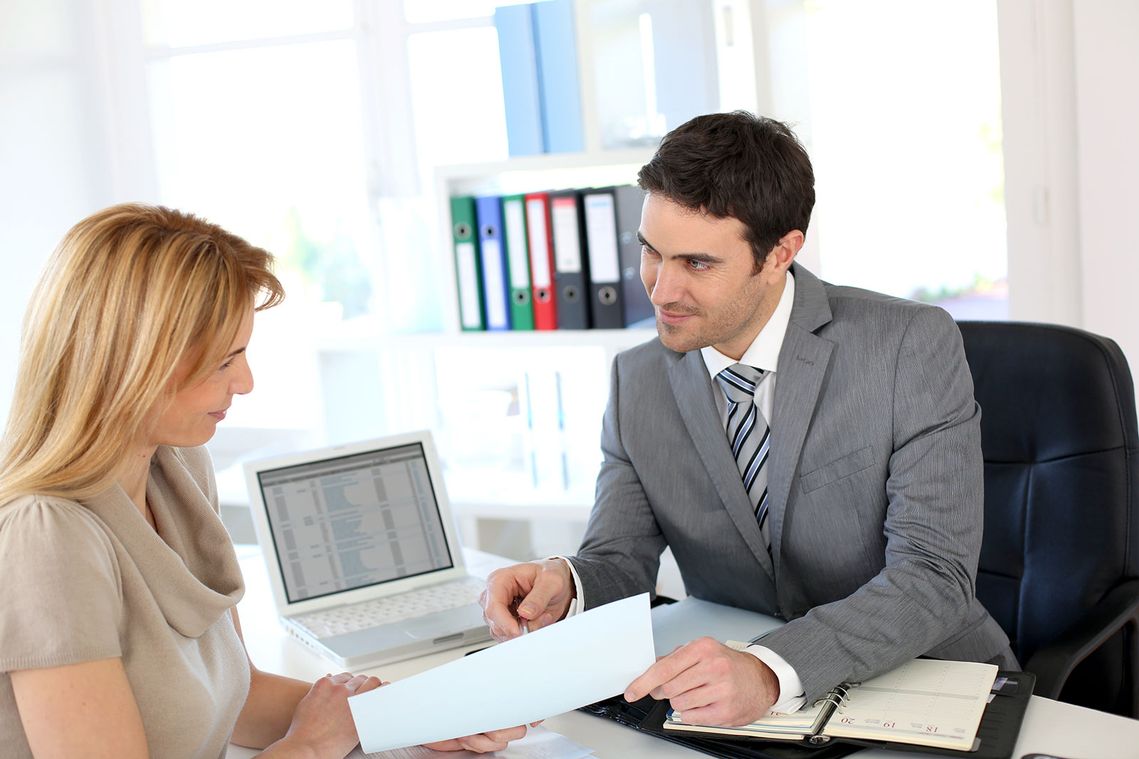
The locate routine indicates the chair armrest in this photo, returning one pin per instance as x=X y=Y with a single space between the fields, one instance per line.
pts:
x=1052 y=664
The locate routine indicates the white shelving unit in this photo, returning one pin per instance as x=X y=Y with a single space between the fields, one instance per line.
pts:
x=408 y=366
x=556 y=171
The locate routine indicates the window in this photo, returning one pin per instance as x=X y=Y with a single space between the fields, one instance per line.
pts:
x=903 y=124
x=314 y=130
x=317 y=131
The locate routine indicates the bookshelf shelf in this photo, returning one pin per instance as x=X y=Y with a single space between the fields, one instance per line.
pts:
x=550 y=172
x=368 y=337
x=545 y=172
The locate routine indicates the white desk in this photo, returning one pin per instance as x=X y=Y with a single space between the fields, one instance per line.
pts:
x=1049 y=727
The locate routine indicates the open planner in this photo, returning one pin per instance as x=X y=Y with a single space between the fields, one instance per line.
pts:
x=911 y=709
x=925 y=702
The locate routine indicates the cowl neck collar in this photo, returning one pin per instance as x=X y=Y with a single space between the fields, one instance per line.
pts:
x=189 y=565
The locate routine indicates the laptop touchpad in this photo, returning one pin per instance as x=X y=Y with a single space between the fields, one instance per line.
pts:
x=444 y=623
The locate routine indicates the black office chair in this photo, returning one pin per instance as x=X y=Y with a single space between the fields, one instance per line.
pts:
x=1059 y=563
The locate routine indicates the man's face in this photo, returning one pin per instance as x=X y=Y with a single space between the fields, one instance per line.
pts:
x=700 y=275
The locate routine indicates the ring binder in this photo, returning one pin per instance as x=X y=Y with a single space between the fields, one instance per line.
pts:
x=924 y=705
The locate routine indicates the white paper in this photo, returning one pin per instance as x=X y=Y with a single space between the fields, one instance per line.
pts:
x=586 y=658
x=539 y=743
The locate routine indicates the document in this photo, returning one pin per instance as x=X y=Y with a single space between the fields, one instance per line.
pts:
x=539 y=743
x=924 y=702
x=586 y=658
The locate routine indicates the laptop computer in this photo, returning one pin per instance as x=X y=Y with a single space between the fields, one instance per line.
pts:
x=362 y=551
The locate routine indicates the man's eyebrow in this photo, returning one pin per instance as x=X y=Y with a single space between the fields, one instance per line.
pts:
x=704 y=257
x=707 y=258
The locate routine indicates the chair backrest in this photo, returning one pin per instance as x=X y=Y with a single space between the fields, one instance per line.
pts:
x=1059 y=440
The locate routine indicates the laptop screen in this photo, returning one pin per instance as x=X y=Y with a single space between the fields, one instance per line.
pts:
x=354 y=521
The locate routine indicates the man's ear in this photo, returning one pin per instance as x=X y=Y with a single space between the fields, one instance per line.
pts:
x=781 y=256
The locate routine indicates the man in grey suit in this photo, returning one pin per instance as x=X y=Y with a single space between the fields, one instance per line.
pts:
x=807 y=451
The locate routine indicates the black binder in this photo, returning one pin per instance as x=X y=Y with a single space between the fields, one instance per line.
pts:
x=571 y=260
x=599 y=213
x=635 y=304
x=648 y=716
x=997 y=733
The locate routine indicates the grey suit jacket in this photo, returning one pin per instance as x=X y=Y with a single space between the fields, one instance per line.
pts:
x=875 y=483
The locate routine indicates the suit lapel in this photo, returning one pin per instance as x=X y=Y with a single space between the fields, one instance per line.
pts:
x=693 y=390
x=803 y=361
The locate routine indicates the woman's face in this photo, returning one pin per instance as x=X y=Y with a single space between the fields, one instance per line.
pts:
x=192 y=416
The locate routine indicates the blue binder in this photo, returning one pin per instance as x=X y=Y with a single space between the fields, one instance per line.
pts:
x=515 y=25
x=558 y=84
x=496 y=286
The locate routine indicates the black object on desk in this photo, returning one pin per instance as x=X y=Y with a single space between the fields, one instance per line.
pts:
x=647 y=715
x=997 y=733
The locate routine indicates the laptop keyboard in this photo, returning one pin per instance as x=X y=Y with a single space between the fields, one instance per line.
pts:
x=381 y=611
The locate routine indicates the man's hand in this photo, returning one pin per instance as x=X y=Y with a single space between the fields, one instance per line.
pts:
x=709 y=684
x=538 y=592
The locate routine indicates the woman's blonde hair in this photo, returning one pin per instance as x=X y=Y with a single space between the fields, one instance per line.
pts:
x=129 y=293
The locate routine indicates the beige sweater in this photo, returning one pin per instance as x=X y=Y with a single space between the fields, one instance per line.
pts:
x=80 y=582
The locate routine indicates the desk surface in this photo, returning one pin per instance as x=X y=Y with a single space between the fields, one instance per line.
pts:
x=1049 y=727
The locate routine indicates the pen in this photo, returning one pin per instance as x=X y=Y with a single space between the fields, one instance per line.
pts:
x=522 y=623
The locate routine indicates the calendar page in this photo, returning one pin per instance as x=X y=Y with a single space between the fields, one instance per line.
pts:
x=925 y=702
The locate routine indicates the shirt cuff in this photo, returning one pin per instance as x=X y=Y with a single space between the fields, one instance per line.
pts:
x=789 y=682
x=577 y=603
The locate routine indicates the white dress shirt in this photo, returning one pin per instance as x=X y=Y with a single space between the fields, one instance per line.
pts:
x=763 y=353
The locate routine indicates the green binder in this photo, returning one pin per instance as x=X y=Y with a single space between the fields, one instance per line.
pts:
x=518 y=262
x=468 y=272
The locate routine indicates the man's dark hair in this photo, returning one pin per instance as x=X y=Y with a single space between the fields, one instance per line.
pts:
x=736 y=164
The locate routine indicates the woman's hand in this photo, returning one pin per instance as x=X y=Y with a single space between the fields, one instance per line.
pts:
x=481 y=743
x=322 y=722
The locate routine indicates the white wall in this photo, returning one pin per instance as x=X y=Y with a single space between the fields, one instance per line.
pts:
x=1107 y=147
x=72 y=137
x=1069 y=78
x=1039 y=123
x=51 y=164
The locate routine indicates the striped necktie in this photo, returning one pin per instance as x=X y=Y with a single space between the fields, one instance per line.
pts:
x=748 y=436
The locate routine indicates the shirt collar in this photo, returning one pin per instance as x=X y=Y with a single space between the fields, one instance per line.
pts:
x=763 y=353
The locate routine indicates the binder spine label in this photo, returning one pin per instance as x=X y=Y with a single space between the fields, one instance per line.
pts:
x=539 y=244
x=468 y=285
x=495 y=283
x=567 y=242
x=515 y=223
x=601 y=231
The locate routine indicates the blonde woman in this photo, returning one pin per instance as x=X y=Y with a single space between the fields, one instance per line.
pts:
x=119 y=635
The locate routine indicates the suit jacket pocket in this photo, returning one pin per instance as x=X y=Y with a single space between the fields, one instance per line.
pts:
x=837 y=469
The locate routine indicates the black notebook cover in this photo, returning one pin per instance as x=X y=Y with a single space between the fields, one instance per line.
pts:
x=647 y=715
x=998 y=731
